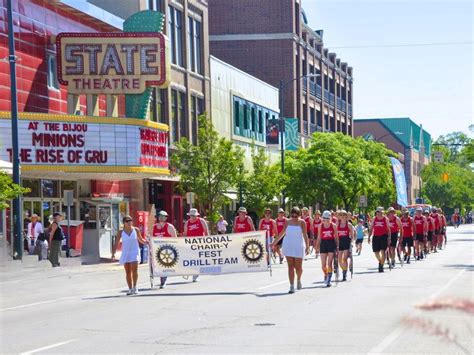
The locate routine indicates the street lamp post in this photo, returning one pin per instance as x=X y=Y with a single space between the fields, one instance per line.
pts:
x=281 y=121
x=17 y=242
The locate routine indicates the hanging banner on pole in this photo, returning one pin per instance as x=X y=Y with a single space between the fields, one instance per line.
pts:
x=292 y=139
x=210 y=255
x=400 y=182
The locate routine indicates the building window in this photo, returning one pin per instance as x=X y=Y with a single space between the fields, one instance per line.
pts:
x=250 y=119
x=156 y=5
x=194 y=119
x=195 y=45
x=175 y=33
x=157 y=106
x=174 y=116
x=52 y=72
x=182 y=115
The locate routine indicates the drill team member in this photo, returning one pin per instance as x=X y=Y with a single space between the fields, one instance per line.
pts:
x=305 y=215
x=316 y=222
x=408 y=228
x=280 y=224
x=395 y=230
x=380 y=230
x=243 y=223
x=163 y=229
x=421 y=229
x=345 y=233
x=327 y=245
x=268 y=224
x=195 y=226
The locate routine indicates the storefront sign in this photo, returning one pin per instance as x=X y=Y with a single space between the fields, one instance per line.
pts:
x=86 y=141
x=212 y=255
x=112 y=63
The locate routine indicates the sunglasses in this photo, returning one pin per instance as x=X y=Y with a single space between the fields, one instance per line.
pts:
x=294 y=216
x=128 y=220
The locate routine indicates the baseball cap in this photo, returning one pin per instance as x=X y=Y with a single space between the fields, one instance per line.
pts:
x=391 y=209
x=281 y=210
x=379 y=209
x=163 y=213
x=242 y=209
x=326 y=214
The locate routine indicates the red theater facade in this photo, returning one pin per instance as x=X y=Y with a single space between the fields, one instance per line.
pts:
x=80 y=140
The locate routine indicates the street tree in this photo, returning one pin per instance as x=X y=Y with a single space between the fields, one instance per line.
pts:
x=262 y=184
x=448 y=185
x=209 y=168
x=9 y=190
x=457 y=148
x=336 y=169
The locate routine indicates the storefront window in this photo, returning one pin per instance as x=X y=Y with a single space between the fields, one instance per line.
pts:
x=34 y=186
x=50 y=188
x=68 y=185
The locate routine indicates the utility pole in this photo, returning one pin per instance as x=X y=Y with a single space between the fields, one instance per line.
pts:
x=281 y=122
x=17 y=242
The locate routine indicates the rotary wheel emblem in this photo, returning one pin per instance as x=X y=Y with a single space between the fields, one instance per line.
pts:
x=167 y=256
x=252 y=251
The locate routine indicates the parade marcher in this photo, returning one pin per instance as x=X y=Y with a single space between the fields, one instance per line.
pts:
x=396 y=233
x=295 y=247
x=243 y=223
x=56 y=236
x=345 y=233
x=130 y=237
x=195 y=226
x=317 y=220
x=268 y=224
x=430 y=232
x=163 y=229
x=443 y=227
x=437 y=240
x=380 y=231
x=360 y=232
x=280 y=224
x=327 y=245
x=36 y=238
x=408 y=228
x=334 y=218
x=222 y=225
x=421 y=229
x=306 y=217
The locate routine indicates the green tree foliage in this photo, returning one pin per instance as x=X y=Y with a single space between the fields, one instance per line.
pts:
x=8 y=190
x=208 y=169
x=457 y=148
x=336 y=169
x=456 y=189
x=262 y=184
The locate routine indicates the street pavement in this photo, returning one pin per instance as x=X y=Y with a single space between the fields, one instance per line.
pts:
x=84 y=309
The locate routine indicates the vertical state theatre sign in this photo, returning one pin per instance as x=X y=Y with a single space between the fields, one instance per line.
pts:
x=112 y=63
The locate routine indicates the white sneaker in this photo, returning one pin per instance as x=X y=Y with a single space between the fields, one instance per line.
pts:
x=135 y=291
x=299 y=286
x=292 y=289
x=130 y=292
x=195 y=278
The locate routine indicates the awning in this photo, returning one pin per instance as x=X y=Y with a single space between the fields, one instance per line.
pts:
x=231 y=195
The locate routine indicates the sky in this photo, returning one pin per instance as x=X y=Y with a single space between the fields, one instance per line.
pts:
x=431 y=84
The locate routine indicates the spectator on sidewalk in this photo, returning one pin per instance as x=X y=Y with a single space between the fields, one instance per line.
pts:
x=34 y=229
x=56 y=236
x=222 y=225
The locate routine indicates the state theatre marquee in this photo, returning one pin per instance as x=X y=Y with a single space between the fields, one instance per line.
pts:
x=81 y=147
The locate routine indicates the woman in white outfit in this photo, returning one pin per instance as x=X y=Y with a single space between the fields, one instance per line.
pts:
x=295 y=246
x=130 y=236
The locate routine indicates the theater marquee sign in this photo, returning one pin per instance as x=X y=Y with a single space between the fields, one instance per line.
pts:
x=81 y=143
x=112 y=63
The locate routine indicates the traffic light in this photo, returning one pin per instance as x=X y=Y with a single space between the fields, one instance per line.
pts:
x=445 y=177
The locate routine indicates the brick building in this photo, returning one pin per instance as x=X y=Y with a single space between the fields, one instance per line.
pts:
x=272 y=40
x=405 y=137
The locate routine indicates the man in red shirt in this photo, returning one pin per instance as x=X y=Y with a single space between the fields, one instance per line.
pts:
x=306 y=216
x=163 y=229
x=195 y=226
x=243 y=223
x=280 y=224
x=396 y=232
x=268 y=224
x=408 y=228
x=380 y=230
x=421 y=229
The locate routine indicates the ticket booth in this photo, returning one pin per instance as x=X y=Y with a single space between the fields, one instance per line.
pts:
x=101 y=218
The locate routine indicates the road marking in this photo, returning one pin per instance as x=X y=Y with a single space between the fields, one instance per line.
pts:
x=275 y=284
x=389 y=339
x=32 y=304
x=37 y=350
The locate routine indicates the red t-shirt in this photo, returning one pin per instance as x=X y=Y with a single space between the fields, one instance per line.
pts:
x=195 y=229
x=242 y=226
x=393 y=225
x=327 y=233
x=430 y=220
x=419 y=224
x=280 y=224
x=267 y=226
x=161 y=231
x=316 y=224
x=343 y=232
x=380 y=227
x=435 y=216
x=307 y=220
x=407 y=226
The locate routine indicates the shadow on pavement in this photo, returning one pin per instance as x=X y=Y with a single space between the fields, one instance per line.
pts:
x=460 y=240
x=366 y=272
x=468 y=267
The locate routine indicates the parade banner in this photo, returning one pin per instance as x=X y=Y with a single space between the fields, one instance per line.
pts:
x=210 y=255
x=400 y=182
